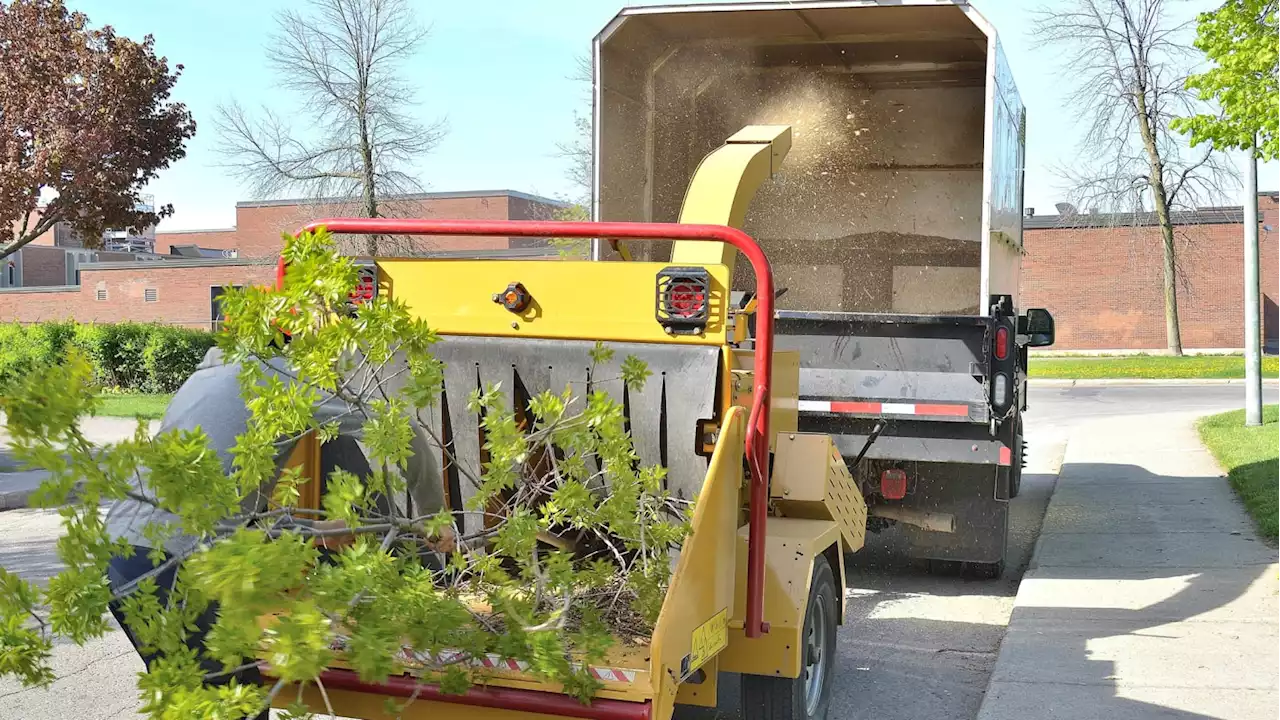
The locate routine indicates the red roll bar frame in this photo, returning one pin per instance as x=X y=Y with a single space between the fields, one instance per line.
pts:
x=757 y=437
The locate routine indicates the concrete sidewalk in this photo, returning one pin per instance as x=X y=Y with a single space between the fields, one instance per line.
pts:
x=17 y=485
x=1149 y=594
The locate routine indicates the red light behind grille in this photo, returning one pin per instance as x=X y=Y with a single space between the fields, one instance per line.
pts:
x=686 y=300
x=893 y=484
x=1002 y=343
x=366 y=286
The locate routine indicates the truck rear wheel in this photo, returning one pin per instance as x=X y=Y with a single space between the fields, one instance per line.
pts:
x=809 y=696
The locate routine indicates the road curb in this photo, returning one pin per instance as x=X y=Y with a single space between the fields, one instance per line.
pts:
x=17 y=487
x=1110 y=382
x=23 y=484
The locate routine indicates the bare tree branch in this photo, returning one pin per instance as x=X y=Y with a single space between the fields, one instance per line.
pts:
x=577 y=152
x=48 y=219
x=358 y=136
x=1129 y=60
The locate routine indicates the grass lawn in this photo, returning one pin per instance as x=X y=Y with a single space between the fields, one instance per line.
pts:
x=1250 y=458
x=1153 y=367
x=140 y=405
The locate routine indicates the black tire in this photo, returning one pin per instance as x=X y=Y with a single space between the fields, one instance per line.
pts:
x=1016 y=445
x=776 y=698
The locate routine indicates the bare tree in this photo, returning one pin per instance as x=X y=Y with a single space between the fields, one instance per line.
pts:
x=577 y=151
x=355 y=136
x=1129 y=60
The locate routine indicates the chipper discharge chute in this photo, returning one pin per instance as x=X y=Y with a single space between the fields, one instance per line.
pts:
x=758 y=585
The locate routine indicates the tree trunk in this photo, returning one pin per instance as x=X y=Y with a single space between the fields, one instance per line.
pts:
x=1172 y=331
x=370 y=197
x=1173 y=335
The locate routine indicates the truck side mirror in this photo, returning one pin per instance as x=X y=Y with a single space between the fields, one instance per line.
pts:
x=1037 y=325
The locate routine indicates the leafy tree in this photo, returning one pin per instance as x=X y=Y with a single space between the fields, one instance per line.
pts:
x=557 y=567
x=1239 y=38
x=1128 y=67
x=344 y=59
x=85 y=116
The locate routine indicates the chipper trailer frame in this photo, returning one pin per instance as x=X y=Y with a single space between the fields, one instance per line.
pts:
x=758 y=585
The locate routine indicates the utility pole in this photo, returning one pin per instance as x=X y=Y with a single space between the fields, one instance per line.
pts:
x=1252 y=336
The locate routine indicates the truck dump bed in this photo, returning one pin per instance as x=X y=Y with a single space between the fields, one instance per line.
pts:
x=902 y=190
x=894 y=223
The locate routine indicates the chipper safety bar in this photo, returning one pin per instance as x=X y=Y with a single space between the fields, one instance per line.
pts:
x=756 y=444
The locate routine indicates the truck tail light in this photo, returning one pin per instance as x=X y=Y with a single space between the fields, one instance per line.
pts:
x=1001 y=344
x=1000 y=390
x=893 y=484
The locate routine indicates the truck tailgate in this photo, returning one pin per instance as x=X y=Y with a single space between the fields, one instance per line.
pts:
x=877 y=365
x=925 y=374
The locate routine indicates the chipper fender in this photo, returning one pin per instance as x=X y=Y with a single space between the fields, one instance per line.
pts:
x=693 y=628
x=793 y=548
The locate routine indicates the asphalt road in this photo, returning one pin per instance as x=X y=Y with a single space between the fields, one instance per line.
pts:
x=914 y=644
x=922 y=645
x=918 y=645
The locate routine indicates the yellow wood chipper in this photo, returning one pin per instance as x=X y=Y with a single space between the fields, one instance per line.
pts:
x=758 y=585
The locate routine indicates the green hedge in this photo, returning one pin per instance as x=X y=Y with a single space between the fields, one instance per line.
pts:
x=131 y=357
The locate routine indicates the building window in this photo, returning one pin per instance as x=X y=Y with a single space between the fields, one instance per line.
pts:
x=150 y=295
x=101 y=294
x=215 y=306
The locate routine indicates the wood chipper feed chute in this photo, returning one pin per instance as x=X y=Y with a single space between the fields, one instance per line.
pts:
x=682 y=419
x=681 y=393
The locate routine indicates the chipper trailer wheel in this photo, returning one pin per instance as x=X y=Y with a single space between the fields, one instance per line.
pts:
x=808 y=696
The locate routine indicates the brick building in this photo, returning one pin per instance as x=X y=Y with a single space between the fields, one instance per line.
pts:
x=260 y=224
x=1100 y=275
x=41 y=265
x=178 y=291
x=1102 y=278
x=175 y=292
x=180 y=282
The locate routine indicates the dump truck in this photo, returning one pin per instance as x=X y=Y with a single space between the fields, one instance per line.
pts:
x=894 y=227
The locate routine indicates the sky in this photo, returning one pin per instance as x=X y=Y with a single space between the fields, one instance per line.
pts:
x=499 y=72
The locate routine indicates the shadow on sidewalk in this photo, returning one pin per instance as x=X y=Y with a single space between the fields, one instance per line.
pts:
x=1151 y=596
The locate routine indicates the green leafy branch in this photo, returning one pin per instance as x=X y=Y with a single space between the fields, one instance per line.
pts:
x=572 y=549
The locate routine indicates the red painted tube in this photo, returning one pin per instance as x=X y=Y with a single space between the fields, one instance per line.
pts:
x=493 y=697
x=757 y=439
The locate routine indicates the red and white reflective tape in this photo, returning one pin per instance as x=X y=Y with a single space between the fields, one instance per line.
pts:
x=500 y=663
x=608 y=674
x=859 y=407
